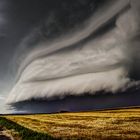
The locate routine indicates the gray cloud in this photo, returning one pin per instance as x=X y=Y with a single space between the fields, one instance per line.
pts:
x=70 y=65
x=68 y=48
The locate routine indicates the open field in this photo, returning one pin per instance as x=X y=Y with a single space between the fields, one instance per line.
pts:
x=110 y=124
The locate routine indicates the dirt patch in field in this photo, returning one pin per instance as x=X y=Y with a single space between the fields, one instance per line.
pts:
x=4 y=135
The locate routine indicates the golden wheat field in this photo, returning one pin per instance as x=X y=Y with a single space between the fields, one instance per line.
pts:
x=111 y=124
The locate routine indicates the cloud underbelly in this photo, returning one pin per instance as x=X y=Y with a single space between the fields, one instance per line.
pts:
x=74 y=85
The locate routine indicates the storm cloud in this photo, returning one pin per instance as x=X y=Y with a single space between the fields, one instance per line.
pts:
x=74 y=48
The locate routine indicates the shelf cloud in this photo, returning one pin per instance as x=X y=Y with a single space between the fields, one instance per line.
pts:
x=74 y=54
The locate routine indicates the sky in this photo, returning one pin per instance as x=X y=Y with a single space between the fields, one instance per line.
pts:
x=54 y=53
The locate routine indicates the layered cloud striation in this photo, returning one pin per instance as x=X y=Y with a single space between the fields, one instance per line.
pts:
x=99 y=54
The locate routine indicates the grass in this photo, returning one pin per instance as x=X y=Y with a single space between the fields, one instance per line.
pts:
x=106 y=125
x=23 y=132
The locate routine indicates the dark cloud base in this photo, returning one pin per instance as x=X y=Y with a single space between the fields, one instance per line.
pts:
x=85 y=102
